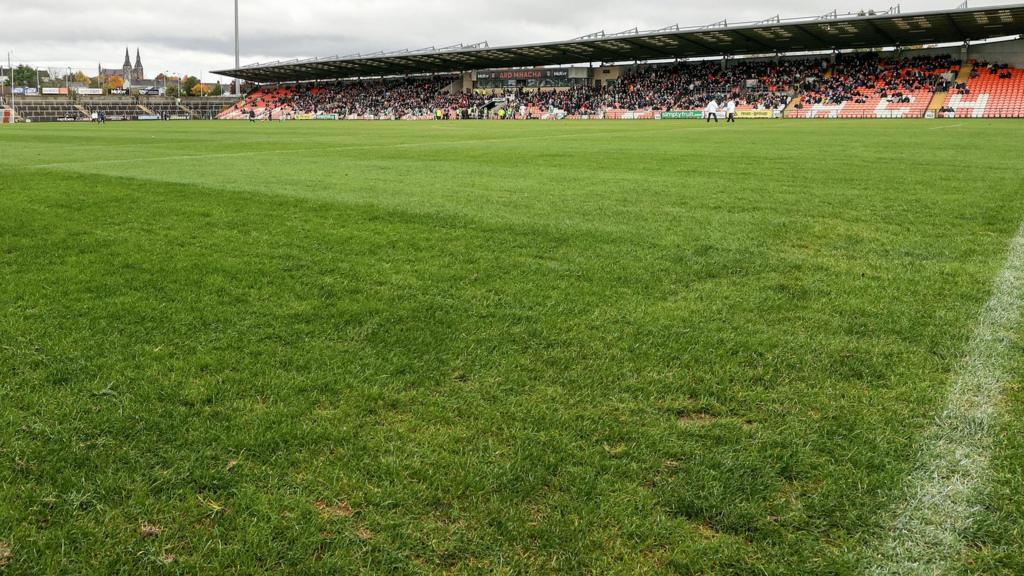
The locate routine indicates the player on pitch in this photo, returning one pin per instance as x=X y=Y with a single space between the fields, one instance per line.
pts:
x=711 y=111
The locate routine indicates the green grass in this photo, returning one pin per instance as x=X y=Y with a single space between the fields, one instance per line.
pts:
x=500 y=348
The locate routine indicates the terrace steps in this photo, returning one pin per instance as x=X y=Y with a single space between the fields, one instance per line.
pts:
x=965 y=73
x=82 y=109
x=938 y=101
x=791 y=107
x=147 y=110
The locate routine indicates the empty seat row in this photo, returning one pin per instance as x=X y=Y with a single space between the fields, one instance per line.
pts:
x=48 y=110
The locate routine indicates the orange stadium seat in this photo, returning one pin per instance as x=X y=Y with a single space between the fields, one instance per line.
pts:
x=989 y=96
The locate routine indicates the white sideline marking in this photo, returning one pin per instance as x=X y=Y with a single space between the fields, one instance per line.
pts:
x=949 y=126
x=926 y=537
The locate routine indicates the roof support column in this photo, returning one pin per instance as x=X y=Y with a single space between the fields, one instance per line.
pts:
x=238 y=62
x=965 y=51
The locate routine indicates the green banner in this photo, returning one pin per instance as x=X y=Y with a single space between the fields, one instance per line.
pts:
x=684 y=115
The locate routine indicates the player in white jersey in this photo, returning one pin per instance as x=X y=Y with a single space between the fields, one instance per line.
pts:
x=730 y=111
x=711 y=111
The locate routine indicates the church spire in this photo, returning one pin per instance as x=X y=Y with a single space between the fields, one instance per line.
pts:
x=138 y=58
x=127 y=59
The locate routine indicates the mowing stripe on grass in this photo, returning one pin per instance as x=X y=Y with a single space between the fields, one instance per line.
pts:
x=926 y=536
x=323 y=149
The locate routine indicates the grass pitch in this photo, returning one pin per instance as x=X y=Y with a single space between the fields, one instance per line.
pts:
x=494 y=348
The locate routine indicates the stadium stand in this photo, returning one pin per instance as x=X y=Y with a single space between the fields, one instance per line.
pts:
x=165 y=108
x=859 y=85
x=988 y=91
x=867 y=86
x=49 y=110
x=642 y=92
x=856 y=85
x=848 y=78
x=820 y=33
x=389 y=98
x=205 y=108
x=115 y=109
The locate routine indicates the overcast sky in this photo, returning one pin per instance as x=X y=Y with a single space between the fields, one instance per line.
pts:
x=196 y=36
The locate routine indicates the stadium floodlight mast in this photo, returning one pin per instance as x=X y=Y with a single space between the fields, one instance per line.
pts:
x=238 y=62
x=10 y=80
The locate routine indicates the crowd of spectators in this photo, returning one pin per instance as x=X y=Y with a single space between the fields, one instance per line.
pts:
x=397 y=97
x=682 y=86
x=1003 y=71
x=760 y=84
x=689 y=86
x=858 y=77
x=960 y=88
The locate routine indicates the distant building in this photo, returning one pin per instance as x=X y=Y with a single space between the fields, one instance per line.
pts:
x=130 y=73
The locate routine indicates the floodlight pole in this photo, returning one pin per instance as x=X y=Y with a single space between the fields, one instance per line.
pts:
x=238 y=63
x=10 y=81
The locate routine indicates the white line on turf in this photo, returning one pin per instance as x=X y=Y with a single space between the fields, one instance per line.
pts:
x=947 y=126
x=940 y=505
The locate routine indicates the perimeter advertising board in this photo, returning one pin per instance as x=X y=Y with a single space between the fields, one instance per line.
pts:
x=683 y=115
x=755 y=113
